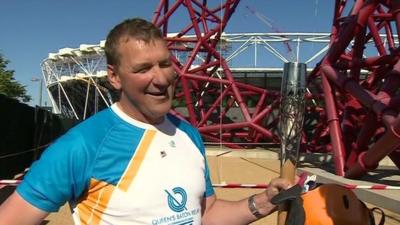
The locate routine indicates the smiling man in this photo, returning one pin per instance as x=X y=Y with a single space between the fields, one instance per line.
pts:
x=133 y=163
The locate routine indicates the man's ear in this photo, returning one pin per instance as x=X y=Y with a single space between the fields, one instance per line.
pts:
x=113 y=77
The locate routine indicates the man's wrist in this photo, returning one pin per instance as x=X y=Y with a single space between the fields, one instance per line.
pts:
x=253 y=207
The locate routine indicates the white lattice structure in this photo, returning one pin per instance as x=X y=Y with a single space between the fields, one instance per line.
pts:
x=76 y=77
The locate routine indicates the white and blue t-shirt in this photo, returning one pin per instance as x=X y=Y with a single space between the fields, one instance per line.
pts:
x=116 y=170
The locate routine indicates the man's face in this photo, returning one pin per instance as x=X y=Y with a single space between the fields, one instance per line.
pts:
x=145 y=77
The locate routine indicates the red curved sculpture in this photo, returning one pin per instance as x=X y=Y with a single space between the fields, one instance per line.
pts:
x=362 y=112
x=206 y=89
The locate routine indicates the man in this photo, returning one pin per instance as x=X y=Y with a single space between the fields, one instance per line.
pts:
x=132 y=163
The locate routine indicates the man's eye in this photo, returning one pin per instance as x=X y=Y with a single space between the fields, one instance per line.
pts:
x=165 y=64
x=142 y=70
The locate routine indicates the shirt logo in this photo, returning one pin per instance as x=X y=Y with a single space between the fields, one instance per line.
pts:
x=177 y=200
x=172 y=144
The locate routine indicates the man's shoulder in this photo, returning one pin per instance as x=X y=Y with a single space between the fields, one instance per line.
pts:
x=94 y=127
x=104 y=118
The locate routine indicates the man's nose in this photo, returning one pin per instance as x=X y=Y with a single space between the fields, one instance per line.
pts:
x=163 y=76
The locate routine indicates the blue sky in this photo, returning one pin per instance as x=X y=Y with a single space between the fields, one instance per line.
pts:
x=29 y=30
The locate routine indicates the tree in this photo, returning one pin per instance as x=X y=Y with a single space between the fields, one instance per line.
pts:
x=8 y=85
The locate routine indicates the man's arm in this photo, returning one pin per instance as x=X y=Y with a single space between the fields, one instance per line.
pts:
x=221 y=212
x=16 y=211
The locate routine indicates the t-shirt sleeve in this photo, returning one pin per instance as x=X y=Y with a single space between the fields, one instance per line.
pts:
x=200 y=144
x=209 y=187
x=59 y=175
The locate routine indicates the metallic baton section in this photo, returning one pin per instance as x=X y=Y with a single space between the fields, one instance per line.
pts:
x=292 y=110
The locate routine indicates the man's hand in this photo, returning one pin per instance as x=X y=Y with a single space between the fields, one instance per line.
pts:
x=292 y=197
x=263 y=200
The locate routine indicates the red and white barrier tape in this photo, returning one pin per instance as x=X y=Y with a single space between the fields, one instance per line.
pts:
x=257 y=186
x=372 y=187
x=14 y=182
x=349 y=186
x=10 y=182
x=232 y=185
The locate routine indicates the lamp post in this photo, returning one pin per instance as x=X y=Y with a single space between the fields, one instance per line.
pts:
x=40 y=80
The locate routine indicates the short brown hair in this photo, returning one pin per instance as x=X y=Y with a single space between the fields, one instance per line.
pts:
x=136 y=28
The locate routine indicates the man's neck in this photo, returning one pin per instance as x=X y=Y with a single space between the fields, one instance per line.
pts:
x=138 y=116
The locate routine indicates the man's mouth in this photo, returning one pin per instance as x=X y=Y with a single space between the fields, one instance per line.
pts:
x=164 y=93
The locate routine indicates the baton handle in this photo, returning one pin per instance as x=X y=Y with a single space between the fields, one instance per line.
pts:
x=288 y=171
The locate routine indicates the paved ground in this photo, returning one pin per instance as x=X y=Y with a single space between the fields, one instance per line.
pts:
x=259 y=166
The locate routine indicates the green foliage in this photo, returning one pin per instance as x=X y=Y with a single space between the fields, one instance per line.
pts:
x=8 y=85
